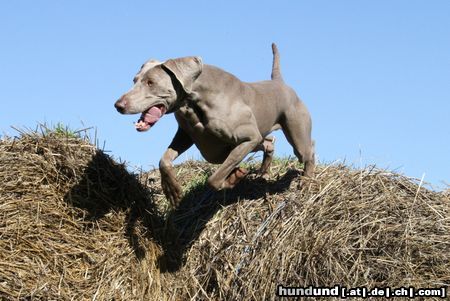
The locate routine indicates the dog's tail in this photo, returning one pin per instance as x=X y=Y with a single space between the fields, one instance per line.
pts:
x=276 y=74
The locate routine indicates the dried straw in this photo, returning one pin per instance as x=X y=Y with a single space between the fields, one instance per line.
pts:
x=347 y=227
x=66 y=223
x=76 y=225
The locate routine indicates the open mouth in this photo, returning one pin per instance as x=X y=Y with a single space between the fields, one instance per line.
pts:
x=149 y=117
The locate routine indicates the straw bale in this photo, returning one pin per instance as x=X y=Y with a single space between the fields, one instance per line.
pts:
x=77 y=225
x=349 y=227
x=65 y=223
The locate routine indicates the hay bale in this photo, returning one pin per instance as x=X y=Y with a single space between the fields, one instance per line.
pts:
x=75 y=224
x=347 y=227
x=69 y=222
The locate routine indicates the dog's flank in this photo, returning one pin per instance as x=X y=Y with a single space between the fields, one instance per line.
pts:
x=224 y=117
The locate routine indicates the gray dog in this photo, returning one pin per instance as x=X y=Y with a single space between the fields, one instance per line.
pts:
x=224 y=117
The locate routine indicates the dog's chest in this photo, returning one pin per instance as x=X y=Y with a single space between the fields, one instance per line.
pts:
x=191 y=118
x=212 y=146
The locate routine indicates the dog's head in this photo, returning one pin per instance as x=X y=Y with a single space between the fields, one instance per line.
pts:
x=159 y=88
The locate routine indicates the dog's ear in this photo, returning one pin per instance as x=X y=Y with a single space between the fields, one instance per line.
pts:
x=185 y=69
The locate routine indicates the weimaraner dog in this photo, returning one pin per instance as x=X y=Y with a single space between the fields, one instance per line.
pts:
x=224 y=117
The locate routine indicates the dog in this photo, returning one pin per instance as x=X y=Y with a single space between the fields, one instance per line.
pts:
x=224 y=117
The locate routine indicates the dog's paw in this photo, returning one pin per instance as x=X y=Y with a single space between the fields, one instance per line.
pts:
x=265 y=176
x=309 y=170
x=172 y=190
x=235 y=177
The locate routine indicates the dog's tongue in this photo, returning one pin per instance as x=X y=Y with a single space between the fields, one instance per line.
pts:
x=152 y=115
x=149 y=118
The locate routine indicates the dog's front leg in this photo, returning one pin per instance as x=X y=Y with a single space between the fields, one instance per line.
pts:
x=172 y=190
x=229 y=174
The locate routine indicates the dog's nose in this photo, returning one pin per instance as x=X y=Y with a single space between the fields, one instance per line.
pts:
x=121 y=105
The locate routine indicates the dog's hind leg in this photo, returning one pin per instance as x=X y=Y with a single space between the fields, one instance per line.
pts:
x=296 y=126
x=268 y=146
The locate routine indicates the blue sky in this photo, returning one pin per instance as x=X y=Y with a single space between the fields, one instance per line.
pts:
x=375 y=75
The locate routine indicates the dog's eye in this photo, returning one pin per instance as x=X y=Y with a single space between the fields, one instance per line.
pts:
x=149 y=83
